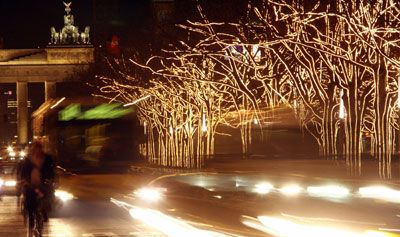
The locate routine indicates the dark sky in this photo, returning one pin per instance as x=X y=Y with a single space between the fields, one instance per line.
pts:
x=26 y=23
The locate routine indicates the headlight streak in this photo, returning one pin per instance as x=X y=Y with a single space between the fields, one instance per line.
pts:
x=263 y=188
x=291 y=190
x=285 y=228
x=390 y=230
x=329 y=191
x=163 y=223
x=381 y=193
x=168 y=225
x=332 y=220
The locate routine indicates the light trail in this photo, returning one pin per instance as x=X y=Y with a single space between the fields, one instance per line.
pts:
x=57 y=103
x=286 y=228
x=328 y=191
x=168 y=225
x=263 y=188
x=291 y=190
x=381 y=193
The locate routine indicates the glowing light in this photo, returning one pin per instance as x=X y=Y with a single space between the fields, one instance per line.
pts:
x=10 y=149
x=57 y=103
x=330 y=191
x=103 y=111
x=63 y=195
x=22 y=154
x=171 y=130
x=10 y=183
x=1 y=182
x=380 y=192
x=137 y=101
x=70 y=112
x=263 y=188
x=286 y=228
x=398 y=93
x=168 y=225
x=291 y=190
x=204 y=124
x=255 y=121
x=256 y=52
x=149 y=194
x=12 y=154
x=342 y=112
x=371 y=233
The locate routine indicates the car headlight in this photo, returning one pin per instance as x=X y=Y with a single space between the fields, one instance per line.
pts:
x=149 y=194
x=63 y=195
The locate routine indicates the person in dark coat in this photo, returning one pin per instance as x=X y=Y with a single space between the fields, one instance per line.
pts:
x=37 y=176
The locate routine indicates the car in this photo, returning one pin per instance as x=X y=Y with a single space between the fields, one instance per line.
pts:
x=12 y=153
x=8 y=181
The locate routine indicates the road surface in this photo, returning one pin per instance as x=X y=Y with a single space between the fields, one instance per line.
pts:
x=246 y=202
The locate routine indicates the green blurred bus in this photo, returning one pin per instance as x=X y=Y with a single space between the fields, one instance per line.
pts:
x=90 y=132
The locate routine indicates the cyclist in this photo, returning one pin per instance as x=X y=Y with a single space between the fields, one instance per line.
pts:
x=37 y=176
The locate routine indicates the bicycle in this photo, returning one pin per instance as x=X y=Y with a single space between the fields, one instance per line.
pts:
x=35 y=226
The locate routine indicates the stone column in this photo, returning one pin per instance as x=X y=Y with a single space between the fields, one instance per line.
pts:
x=50 y=90
x=22 y=112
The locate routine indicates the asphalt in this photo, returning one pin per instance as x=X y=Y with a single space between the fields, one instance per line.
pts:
x=92 y=214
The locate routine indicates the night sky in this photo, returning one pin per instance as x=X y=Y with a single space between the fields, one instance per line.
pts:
x=26 y=23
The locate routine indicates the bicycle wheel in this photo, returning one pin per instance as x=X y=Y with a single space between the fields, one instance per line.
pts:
x=38 y=228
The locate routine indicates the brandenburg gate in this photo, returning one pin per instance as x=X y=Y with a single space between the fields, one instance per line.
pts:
x=68 y=53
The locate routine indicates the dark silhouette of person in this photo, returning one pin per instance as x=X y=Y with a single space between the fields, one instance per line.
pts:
x=37 y=175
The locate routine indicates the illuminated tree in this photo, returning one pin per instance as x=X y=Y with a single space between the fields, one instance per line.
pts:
x=334 y=63
x=341 y=59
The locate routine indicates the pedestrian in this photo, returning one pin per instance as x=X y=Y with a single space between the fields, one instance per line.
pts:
x=38 y=176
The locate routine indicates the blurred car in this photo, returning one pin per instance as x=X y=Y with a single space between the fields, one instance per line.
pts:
x=8 y=182
x=12 y=153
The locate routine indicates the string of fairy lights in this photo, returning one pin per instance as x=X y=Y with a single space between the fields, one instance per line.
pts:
x=334 y=64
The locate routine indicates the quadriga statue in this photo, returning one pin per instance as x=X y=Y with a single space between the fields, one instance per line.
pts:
x=85 y=36
x=55 y=36
x=69 y=32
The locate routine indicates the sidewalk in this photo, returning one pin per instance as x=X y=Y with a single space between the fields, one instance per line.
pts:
x=11 y=221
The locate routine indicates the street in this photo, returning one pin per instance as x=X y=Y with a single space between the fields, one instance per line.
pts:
x=76 y=219
x=219 y=201
x=200 y=118
x=90 y=214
